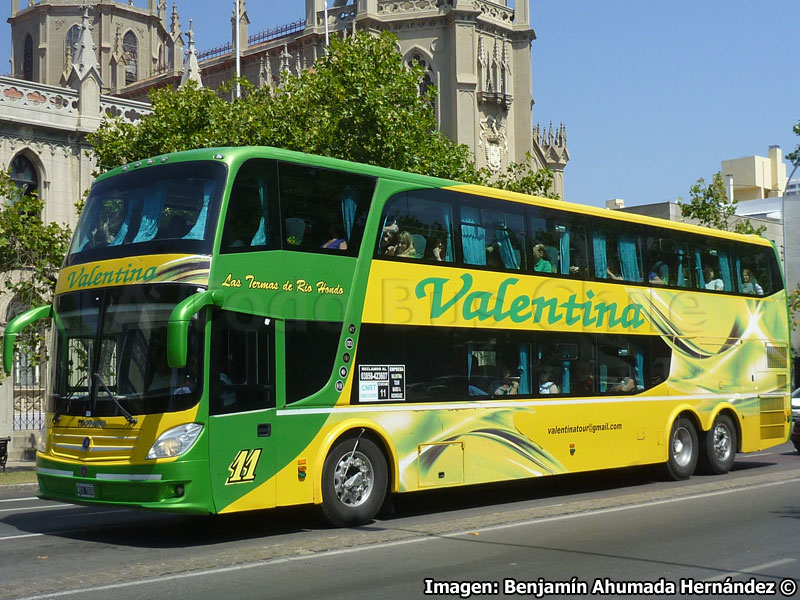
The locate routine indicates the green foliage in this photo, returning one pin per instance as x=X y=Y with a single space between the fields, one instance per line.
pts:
x=793 y=300
x=794 y=157
x=709 y=204
x=359 y=102
x=31 y=252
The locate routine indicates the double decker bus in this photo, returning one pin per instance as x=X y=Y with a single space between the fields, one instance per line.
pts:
x=245 y=328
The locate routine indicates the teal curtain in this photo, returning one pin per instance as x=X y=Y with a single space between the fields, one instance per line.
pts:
x=563 y=248
x=133 y=203
x=629 y=258
x=198 y=230
x=603 y=379
x=600 y=261
x=507 y=255
x=348 y=211
x=91 y=222
x=698 y=267
x=151 y=212
x=639 y=375
x=473 y=237
x=449 y=254
x=260 y=236
x=524 y=369
x=565 y=377
x=725 y=271
x=681 y=277
x=738 y=274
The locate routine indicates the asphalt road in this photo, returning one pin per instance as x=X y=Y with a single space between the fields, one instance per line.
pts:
x=573 y=531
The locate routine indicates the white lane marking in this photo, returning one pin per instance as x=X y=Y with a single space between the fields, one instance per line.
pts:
x=751 y=570
x=382 y=545
x=49 y=506
x=22 y=535
x=20 y=499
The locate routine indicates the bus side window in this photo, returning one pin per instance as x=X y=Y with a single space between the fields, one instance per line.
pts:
x=418 y=225
x=242 y=363
x=248 y=225
x=563 y=238
x=757 y=271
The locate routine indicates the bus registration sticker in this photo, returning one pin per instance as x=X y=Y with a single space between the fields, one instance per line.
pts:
x=381 y=383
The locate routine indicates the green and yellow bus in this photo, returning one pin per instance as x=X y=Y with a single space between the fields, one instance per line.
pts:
x=245 y=328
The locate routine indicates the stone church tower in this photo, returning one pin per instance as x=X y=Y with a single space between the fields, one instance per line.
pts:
x=476 y=52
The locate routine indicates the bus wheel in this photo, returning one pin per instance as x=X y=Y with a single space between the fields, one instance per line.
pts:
x=719 y=447
x=354 y=482
x=683 y=449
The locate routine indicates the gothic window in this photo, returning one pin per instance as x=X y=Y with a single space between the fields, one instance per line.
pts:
x=130 y=47
x=27 y=59
x=427 y=78
x=69 y=43
x=24 y=176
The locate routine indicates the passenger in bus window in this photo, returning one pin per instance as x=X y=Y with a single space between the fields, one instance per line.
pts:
x=712 y=282
x=546 y=383
x=438 y=250
x=613 y=271
x=389 y=238
x=750 y=285
x=584 y=380
x=404 y=246
x=540 y=263
x=625 y=384
x=659 y=274
x=509 y=385
x=335 y=241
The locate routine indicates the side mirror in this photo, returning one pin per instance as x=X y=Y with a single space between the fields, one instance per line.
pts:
x=178 y=325
x=16 y=325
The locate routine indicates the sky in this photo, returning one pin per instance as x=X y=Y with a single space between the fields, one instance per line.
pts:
x=653 y=94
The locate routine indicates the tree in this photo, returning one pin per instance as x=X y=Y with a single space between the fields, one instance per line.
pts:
x=710 y=205
x=359 y=102
x=31 y=251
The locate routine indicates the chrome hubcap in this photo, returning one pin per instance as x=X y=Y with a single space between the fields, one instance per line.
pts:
x=353 y=479
x=722 y=442
x=682 y=446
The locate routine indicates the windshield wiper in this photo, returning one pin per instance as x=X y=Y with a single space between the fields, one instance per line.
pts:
x=68 y=400
x=128 y=417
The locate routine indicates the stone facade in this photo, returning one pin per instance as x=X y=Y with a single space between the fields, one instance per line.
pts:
x=476 y=52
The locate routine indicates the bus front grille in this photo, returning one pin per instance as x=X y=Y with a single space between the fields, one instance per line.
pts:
x=95 y=445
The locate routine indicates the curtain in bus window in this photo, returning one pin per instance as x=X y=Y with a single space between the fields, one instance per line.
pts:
x=563 y=248
x=151 y=212
x=681 y=277
x=198 y=229
x=473 y=237
x=738 y=274
x=523 y=369
x=628 y=258
x=603 y=378
x=133 y=202
x=449 y=255
x=260 y=236
x=348 y=210
x=507 y=253
x=639 y=371
x=565 y=377
x=93 y=216
x=698 y=267
x=599 y=247
x=725 y=270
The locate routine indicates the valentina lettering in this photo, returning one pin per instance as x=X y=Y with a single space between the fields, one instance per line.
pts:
x=97 y=277
x=502 y=304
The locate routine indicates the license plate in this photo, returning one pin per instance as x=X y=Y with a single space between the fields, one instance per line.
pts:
x=85 y=490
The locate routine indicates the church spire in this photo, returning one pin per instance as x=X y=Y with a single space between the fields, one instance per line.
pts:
x=191 y=68
x=85 y=59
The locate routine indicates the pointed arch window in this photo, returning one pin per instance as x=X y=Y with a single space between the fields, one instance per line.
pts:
x=425 y=84
x=130 y=48
x=24 y=176
x=27 y=58
x=70 y=42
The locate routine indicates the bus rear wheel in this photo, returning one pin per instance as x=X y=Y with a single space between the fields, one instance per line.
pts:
x=683 y=449
x=354 y=482
x=719 y=447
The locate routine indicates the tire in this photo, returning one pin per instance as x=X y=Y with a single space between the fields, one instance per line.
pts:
x=684 y=449
x=719 y=445
x=366 y=473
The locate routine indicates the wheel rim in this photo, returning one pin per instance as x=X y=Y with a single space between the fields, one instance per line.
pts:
x=682 y=446
x=722 y=442
x=353 y=479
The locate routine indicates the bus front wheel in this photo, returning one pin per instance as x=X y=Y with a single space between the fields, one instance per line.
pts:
x=354 y=482
x=719 y=447
x=683 y=449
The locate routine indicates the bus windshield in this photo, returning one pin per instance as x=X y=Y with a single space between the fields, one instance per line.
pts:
x=165 y=208
x=110 y=353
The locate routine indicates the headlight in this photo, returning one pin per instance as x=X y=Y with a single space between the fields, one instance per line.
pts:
x=175 y=441
x=41 y=443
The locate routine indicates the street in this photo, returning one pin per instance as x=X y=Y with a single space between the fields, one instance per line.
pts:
x=599 y=531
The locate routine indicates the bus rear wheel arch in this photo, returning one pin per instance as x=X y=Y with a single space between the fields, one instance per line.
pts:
x=683 y=449
x=718 y=448
x=355 y=479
